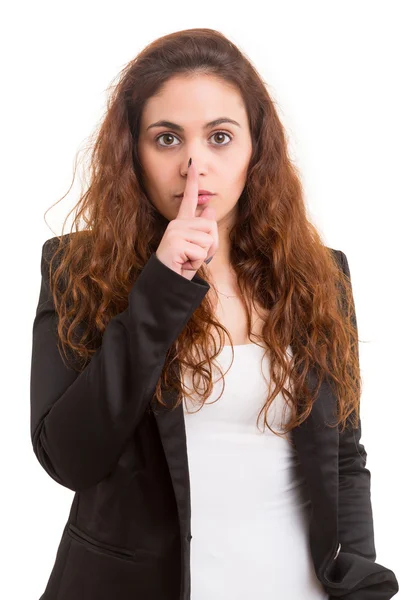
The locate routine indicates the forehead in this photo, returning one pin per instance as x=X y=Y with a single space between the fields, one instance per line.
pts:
x=194 y=101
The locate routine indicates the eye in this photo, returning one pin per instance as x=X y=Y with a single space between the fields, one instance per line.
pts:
x=174 y=136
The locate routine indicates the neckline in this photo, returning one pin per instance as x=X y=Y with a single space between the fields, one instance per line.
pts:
x=239 y=345
x=236 y=345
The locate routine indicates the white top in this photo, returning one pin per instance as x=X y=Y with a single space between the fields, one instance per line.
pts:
x=249 y=502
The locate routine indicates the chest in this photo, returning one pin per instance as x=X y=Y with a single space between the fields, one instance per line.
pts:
x=231 y=313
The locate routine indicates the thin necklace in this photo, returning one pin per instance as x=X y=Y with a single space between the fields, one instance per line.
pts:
x=228 y=296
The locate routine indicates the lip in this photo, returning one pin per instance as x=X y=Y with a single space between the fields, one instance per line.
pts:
x=200 y=192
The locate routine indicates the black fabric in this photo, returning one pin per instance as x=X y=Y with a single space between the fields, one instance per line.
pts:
x=128 y=532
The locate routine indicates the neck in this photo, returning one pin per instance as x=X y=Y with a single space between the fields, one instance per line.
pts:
x=219 y=268
x=220 y=271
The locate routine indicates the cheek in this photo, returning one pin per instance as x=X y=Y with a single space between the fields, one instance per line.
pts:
x=237 y=183
x=153 y=177
x=237 y=168
x=150 y=163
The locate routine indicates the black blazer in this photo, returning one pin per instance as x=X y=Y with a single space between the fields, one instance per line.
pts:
x=100 y=434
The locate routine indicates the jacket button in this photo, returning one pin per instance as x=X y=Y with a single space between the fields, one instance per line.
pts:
x=189 y=537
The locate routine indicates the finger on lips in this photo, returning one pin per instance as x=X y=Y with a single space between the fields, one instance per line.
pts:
x=187 y=209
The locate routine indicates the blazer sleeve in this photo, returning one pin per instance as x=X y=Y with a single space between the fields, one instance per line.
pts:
x=356 y=529
x=81 y=421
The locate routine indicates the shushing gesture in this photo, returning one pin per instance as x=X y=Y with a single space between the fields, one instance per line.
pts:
x=189 y=240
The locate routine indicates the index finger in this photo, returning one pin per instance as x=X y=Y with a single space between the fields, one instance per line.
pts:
x=187 y=209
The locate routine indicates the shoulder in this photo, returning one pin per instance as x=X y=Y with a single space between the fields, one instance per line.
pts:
x=51 y=245
x=339 y=256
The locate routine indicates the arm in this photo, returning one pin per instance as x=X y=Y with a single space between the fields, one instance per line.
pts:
x=81 y=421
x=356 y=530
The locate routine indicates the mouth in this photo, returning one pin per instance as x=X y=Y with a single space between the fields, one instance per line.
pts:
x=200 y=193
x=204 y=198
x=201 y=198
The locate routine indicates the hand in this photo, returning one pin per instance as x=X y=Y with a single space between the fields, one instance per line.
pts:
x=189 y=240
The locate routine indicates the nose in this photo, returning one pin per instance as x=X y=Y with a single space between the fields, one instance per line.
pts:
x=198 y=150
x=200 y=168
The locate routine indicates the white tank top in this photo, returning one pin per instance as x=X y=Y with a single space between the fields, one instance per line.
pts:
x=250 y=507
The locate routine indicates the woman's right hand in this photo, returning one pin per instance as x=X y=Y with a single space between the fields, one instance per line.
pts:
x=189 y=240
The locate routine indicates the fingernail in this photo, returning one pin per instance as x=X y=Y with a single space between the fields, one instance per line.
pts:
x=190 y=162
x=209 y=259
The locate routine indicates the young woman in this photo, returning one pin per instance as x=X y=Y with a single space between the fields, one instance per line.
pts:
x=177 y=497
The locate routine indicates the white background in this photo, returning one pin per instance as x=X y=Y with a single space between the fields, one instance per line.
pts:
x=333 y=70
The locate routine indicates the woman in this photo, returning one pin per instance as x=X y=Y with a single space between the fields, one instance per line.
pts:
x=174 y=499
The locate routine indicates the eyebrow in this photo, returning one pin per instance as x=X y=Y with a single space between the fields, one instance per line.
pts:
x=176 y=127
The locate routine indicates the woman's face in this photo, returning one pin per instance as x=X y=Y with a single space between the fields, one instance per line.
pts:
x=221 y=152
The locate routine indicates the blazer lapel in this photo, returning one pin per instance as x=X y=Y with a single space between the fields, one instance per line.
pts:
x=317 y=445
x=171 y=426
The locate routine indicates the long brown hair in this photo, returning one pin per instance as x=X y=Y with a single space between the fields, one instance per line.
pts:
x=277 y=254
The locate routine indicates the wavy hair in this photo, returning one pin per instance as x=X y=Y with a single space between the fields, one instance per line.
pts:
x=277 y=254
